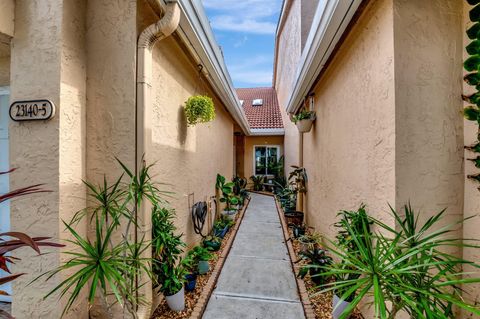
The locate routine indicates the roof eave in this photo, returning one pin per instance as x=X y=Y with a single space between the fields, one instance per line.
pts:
x=196 y=33
x=267 y=131
x=328 y=25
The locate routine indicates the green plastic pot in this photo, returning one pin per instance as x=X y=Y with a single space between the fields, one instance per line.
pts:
x=203 y=267
x=212 y=245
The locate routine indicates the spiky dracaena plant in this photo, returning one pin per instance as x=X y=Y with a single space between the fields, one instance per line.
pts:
x=404 y=268
x=10 y=241
x=102 y=265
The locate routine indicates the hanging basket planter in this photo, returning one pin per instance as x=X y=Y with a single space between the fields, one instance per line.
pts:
x=304 y=120
x=304 y=126
x=199 y=109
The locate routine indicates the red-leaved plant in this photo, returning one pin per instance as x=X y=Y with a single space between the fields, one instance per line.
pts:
x=11 y=241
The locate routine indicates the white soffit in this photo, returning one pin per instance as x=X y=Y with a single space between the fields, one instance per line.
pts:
x=329 y=23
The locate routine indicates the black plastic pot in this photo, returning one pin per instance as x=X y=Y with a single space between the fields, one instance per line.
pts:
x=298 y=231
x=190 y=282
x=294 y=217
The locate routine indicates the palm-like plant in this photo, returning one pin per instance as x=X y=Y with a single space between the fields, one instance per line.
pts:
x=258 y=181
x=104 y=265
x=405 y=268
x=7 y=244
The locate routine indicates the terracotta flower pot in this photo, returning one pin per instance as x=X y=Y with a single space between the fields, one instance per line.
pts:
x=176 y=302
x=305 y=125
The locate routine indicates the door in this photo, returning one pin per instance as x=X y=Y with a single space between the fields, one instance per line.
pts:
x=4 y=179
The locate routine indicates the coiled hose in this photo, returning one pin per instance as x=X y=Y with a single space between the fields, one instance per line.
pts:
x=199 y=216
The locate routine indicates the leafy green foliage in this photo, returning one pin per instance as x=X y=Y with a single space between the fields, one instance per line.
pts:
x=403 y=268
x=298 y=179
x=318 y=264
x=258 y=181
x=106 y=265
x=199 y=109
x=304 y=115
x=227 y=194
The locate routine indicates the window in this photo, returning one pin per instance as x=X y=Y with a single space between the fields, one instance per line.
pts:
x=257 y=102
x=266 y=159
x=241 y=102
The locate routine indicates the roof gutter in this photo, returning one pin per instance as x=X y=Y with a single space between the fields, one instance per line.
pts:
x=329 y=23
x=196 y=33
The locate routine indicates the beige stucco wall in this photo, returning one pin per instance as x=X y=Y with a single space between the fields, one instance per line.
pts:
x=349 y=154
x=287 y=59
x=7 y=15
x=471 y=191
x=47 y=62
x=4 y=70
x=250 y=143
x=429 y=124
x=188 y=158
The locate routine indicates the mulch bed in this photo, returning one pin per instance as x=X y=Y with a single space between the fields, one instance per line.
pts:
x=321 y=302
x=195 y=301
x=191 y=298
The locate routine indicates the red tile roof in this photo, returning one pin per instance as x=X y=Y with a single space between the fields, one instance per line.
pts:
x=265 y=116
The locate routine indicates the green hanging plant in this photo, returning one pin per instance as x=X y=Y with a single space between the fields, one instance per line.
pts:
x=199 y=109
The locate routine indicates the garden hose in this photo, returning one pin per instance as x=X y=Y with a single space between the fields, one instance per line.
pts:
x=199 y=216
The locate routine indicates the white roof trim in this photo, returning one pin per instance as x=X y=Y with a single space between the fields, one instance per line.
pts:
x=196 y=32
x=329 y=23
x=267 y=131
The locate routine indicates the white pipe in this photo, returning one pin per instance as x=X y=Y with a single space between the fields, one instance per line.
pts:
x=146 y=41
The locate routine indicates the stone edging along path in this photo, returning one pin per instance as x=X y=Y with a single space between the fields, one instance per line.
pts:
x=302 y=290
x=202 y=302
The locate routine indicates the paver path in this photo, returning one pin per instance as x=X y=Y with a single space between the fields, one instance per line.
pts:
x=257 y=281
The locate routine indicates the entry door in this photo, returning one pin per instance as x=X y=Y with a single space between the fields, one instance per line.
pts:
x=4 y=180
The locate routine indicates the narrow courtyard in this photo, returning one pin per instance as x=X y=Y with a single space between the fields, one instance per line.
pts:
x=257 y=280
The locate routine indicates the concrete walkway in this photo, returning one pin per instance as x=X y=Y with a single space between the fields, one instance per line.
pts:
x=257 y=281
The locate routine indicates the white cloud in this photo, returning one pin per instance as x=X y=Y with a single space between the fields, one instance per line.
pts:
x=241 y=42
x=256 y=70
x=251 y=16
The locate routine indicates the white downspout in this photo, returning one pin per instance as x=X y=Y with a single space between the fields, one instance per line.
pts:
x=146 y=41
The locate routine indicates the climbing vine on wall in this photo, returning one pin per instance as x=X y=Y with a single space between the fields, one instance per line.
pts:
x=472 y=65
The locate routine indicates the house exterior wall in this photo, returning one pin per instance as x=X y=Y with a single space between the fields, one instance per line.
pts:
x=349 y=154
x=7 y=14
x=60 y=52
x=5 y=70
x=287 y=58
x=250 y=143
x=471 y=191
x=188 y=158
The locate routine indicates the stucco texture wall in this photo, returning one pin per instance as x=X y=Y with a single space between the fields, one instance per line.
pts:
x=287 y=59
x=349 y=154
x=250 y=143
x=48 y=62
x=471 y=191
x=188 y=158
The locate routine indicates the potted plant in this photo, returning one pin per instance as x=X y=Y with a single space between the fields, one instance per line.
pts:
x=227 y=196
x=191 y=276
x=221 y=226
x=405 y=268
x=318 y=264
x=258 y=181
x=199 y=109
x=201 y=256
x=304 y=120
x=212 y=243
x=298 y=230
x=309 y=241
x=172 y=286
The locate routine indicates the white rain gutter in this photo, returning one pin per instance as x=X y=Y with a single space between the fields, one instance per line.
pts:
x=146 y=41
x=329 y=23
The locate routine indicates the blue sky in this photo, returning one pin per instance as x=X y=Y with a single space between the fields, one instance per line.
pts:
x=245 y=29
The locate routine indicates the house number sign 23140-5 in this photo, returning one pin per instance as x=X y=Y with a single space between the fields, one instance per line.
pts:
x=35 y=110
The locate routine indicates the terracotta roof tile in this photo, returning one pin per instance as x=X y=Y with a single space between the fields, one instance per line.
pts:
x=260 y=117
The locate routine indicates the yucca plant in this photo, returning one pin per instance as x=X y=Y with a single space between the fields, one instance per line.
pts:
x=102 y=265
x=406 y=267
x=10 y=241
